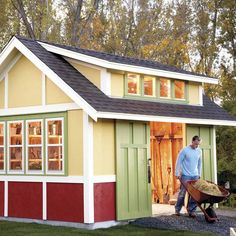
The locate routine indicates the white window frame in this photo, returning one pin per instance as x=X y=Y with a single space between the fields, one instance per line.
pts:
x=9 y=146
x=55 y=172
x=28 y=171
x=4 y=148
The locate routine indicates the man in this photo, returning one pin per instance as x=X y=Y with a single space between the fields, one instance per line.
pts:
x=188 y=167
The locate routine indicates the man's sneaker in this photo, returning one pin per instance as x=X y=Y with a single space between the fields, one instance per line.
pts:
x=177 y=213
x=192 y=215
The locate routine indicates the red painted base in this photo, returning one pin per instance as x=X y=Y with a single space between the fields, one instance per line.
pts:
x=25 y=200
x=104 y=202
x=65 y=202
x=1 y=198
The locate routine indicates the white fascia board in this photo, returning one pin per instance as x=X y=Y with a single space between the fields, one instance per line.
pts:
x=125 y=67
x=15 y=43
x=123 y=116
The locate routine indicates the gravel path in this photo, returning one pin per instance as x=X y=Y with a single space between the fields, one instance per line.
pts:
x=183 y=222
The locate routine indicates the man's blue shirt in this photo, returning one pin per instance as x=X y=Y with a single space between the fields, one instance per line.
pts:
x=189 y=162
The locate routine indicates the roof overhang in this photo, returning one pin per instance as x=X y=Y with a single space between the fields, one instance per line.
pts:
x=125 y=67
x=16 y=44
x=125 y=116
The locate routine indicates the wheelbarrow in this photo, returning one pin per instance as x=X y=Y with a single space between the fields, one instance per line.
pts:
x=203 y=198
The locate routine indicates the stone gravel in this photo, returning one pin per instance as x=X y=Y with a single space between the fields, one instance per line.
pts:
x=184 y=222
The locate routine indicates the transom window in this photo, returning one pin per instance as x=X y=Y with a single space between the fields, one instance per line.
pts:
x=154 y=87
x=133 y=84
x=149 y=86
x=165 y=89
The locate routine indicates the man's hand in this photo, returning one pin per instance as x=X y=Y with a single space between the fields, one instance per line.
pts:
x=177 y=177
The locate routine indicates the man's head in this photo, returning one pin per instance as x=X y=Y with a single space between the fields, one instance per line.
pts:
x=196 y=140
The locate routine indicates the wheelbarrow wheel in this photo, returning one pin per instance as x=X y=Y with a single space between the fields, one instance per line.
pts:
x=211 y=213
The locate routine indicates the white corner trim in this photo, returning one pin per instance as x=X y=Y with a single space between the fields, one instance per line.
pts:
x=106 y=82
x=214 y=154
x=39 y=109
x=44 y=200
x=123 y=116
x=125 y=67
x=15 y=43
x=6 y=198
x=43 y=77
x=6 y=91
x=200 y=95
x=88 y=169
x=104 y=179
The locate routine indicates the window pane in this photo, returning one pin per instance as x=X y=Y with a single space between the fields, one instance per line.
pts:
x=55 y=158
x=55 y=132
x=133 y=84
x=179 y=89
x=15 y=158
x=149 y=86
x=165 y=88
x=35 y=158
x=1 y=134
x=1 y=158
x=16 y=133
x=35 y=132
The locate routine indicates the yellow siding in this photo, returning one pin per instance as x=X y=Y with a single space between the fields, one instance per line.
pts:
x=117 y=85
x=91 y=74
x=24 y=84
x=75 y=142
x=55 y=95
x=194 y=93
x=104 y=147
x=2 y=93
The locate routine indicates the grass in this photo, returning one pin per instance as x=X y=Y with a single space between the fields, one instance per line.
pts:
x=23 y=229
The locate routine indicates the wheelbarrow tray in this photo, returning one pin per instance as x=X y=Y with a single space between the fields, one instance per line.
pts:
x=202 y=197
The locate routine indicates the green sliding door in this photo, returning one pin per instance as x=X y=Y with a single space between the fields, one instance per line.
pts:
x=207 y=146
x=133 y=189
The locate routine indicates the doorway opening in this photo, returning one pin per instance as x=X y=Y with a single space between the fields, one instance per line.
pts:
x=167 y=139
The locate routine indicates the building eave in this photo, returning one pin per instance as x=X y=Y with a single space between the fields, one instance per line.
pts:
x=126 y=67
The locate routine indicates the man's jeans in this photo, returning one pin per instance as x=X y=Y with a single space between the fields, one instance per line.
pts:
x=180 y=201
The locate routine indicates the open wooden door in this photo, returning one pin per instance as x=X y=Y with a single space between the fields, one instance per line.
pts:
x=133 y=190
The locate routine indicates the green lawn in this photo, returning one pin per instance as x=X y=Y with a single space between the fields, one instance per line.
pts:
x=23 y=229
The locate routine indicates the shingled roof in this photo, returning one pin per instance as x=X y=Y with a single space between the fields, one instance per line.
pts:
x=125 y=60
x=102 y=103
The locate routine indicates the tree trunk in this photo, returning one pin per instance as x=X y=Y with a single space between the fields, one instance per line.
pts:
x=18 y=4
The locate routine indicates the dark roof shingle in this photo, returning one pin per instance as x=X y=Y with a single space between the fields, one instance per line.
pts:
x=102 y=103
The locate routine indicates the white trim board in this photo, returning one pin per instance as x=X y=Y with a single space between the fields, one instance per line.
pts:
x=88 y=167
x=15 y=43
x=123 y=116
x=125 y=67
x=39 y=109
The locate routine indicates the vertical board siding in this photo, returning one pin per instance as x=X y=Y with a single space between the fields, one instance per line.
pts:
x=1 y=198
x=133 y=190
x=206 y=134
x=65 y=202
x=25 y=200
